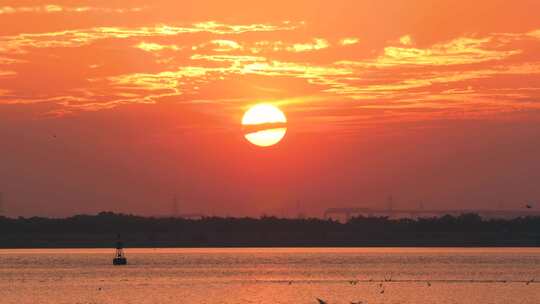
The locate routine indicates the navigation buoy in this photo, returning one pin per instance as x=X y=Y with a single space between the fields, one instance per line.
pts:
x=119 y=258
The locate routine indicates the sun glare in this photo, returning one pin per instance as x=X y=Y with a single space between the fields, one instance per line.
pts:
x=264 y=125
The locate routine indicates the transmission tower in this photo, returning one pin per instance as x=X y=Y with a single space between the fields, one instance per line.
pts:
x=175 y=206
x=1 y=203
x=390 y=203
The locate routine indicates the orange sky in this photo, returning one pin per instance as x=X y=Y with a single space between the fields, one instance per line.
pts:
x=116 y=105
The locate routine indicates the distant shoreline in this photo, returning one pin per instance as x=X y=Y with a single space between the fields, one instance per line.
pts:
x=373 y=245
x=41 y=244
x=100 y=231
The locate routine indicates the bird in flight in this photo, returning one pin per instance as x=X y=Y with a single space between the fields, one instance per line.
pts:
x=321 y=301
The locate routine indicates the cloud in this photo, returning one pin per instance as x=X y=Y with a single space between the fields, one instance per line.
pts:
x=223 y=45
x=7 y=73
x=54 y=8
x=535 y=34
x=348 y=41
x=430 y=79
x=219 y=45
x=397 y=79
x=75 y=38
x=277 y=68
x=405 y=40
x=460 y=51
x=236 y=61
x=317 y=44
x=254 y=65
x=152 y=87
x=279 y=46
x=155 y=47
x=168 y=80
x=6 y=61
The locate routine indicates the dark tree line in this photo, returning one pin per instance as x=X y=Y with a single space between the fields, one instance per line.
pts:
x=101 y=231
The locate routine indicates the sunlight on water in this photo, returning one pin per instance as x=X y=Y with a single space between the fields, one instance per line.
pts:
x=253 y=275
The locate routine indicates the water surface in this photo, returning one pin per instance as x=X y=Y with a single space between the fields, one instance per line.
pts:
x=279 y=275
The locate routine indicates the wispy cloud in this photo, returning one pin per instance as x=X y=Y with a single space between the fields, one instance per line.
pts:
x=279 y=46
x=317 y=44
x=349 y=41
x=7 y=73
x=6 y=61
x=56 y=8
x=223 y=45
x=462 y=50
x=74 y=38
x=156 y=47
x=401 y=79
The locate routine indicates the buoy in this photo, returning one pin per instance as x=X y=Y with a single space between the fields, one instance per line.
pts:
x=119 y=258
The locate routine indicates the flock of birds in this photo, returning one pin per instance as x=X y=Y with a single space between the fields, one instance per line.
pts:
x=382 y=288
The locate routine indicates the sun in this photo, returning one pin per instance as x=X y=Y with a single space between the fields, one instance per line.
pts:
x=264 y=125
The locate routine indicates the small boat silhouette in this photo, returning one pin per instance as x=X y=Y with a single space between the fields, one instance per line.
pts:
x=119 y=258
